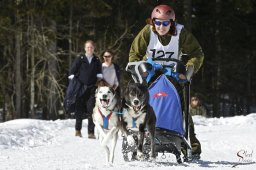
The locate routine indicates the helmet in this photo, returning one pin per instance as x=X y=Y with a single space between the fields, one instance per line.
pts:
x=164 y=12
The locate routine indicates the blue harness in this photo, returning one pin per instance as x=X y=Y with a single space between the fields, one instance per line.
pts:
x=134 y=119
x=105 y=119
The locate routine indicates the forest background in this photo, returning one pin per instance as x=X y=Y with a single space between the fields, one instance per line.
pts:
x=39 y=39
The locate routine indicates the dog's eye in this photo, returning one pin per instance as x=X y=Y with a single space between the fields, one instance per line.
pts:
x=109 y=91
x=132 y=94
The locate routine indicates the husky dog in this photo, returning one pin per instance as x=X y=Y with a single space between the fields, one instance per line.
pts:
x=138 y=115
x=106 y=120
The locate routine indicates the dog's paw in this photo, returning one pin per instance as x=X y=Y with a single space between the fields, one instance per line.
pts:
x=97 y=135
x=152 y=159
x=130 y=140
x=140 y=156
x=108 y=165
x=152 y=156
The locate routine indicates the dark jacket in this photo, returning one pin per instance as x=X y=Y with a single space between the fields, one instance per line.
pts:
x=117 y=69
x=74 y=91
x=85 y=76
x=86 y=73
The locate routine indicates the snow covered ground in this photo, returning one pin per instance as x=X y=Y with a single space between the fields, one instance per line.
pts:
x=26 y=144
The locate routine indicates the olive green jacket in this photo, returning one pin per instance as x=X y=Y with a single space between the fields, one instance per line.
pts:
x=199 y=110
x=187 y=45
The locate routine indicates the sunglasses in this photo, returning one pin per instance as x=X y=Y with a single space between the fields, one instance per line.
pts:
x=164 y=23
x=107 y=56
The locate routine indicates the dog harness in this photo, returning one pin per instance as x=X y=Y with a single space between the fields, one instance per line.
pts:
x=134 y=122
x=134 y=119
x=105 y=119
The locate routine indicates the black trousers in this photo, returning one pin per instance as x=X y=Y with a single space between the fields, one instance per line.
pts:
x=85 y=105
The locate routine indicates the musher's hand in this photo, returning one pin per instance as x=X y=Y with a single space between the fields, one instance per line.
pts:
x=182 y=77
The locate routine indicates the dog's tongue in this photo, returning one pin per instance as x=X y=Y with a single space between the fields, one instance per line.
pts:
x=136 y=108
x=104 y=102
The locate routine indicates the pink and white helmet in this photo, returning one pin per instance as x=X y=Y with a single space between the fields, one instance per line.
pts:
x=164 y=12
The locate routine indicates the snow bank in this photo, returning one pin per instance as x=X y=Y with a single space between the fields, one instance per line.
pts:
x=236 y=120
x=26 y=133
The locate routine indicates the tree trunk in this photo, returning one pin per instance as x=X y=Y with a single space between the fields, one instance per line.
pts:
x=187 y=14
x=249 y=85
x=18 y=76
x=32 y=54
x=70 y=33
x=217 y=82
x=52 y=100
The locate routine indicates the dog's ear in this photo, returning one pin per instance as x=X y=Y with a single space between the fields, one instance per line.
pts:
x=112 y=90
x=101 y=83
x=130 y=86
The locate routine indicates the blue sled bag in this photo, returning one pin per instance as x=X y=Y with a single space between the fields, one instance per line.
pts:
x=166 y=103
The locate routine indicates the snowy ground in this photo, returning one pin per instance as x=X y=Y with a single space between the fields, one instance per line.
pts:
x=27 y=144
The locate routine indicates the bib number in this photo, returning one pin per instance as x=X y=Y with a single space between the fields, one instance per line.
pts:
x=161 y=54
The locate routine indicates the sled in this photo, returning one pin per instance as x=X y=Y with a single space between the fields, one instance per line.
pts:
x=165 y=87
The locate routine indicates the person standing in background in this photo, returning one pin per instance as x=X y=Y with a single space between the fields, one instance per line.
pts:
x=196 y=108
x=110 y=70
x=87 y=68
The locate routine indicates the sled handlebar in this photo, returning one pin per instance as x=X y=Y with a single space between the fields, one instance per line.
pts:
x=139 y=68
x=168 y=59
x=175 y=64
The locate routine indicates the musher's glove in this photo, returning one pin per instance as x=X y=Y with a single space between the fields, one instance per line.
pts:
x=190 y=71
x=71 y=76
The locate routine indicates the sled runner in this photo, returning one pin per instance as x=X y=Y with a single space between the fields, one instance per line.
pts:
x=165 y=87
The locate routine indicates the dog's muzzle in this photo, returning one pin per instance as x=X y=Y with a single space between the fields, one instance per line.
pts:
x=136 y=108
x=136 y=105
x=104 y=102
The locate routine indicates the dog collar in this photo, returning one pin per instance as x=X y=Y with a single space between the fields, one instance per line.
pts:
x=105 y=119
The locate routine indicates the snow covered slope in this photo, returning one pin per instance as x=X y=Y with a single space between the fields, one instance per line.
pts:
x=27 y=144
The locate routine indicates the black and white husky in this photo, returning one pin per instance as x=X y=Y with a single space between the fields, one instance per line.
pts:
x=106 y=120
x=138 y=116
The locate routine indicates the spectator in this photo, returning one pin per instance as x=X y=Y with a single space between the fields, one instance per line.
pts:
x=196 y=108
x=87 y=67
x=110 y=70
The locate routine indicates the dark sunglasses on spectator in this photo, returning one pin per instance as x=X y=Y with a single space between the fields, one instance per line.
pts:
x=107 y=56
x=164 y=23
